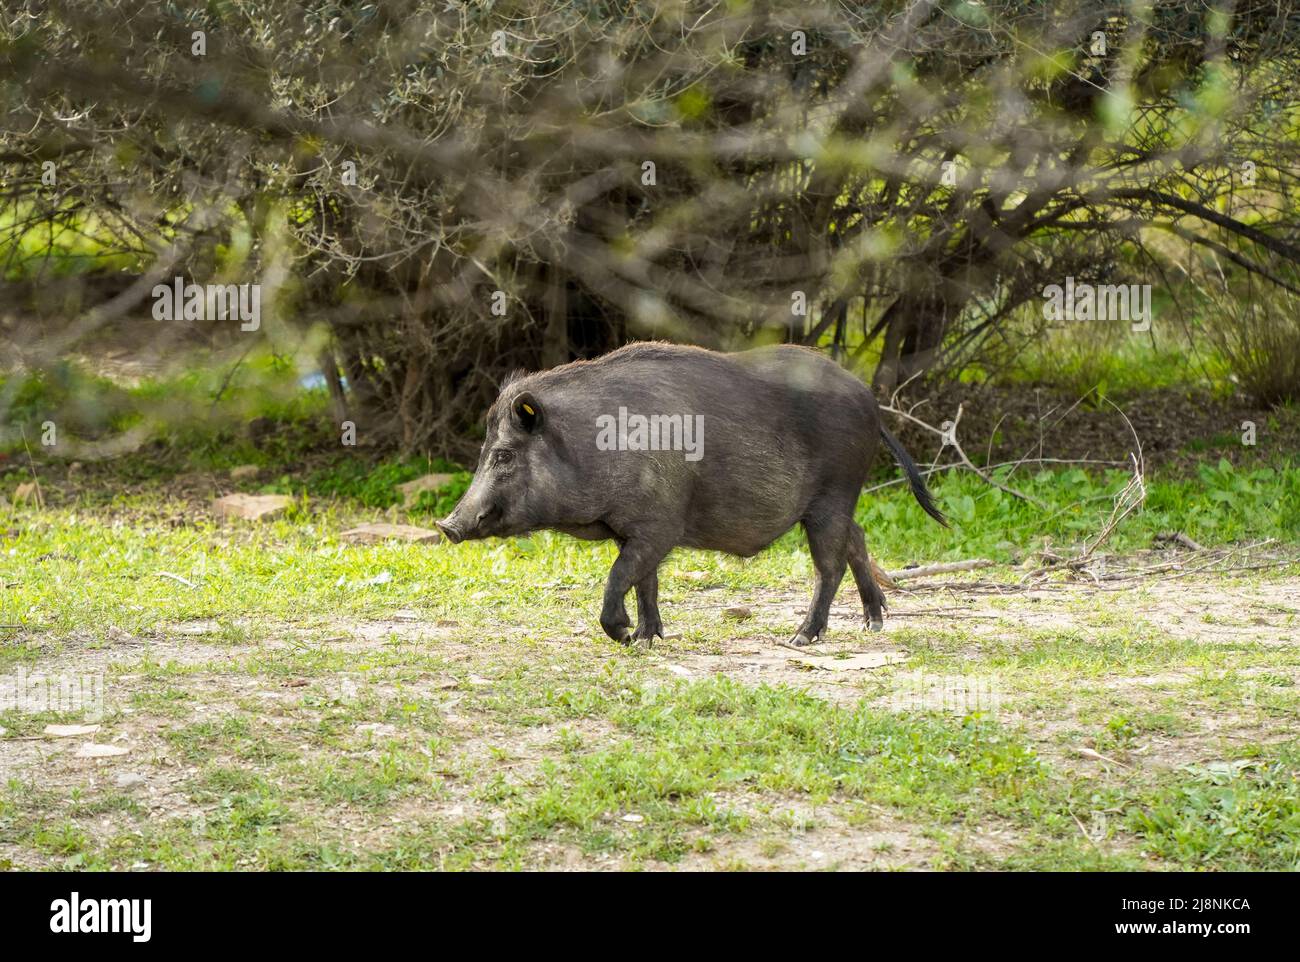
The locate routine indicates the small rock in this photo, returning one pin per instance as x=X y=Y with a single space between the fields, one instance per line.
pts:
x=376 y=533
x=70 y=731
x=737 y=612
x=634 y=818
x=93 y=750
x=251 y=507
x=244 y=471
x=405 y=614
x=412 y=490
x=129 y=780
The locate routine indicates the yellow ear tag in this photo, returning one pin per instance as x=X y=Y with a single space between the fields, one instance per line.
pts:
x=529 y=410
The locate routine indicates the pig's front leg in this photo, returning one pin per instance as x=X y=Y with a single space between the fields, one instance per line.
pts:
x=638 y=559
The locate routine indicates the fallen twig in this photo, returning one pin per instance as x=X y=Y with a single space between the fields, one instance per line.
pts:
x=1177 y=537
x=924 y=571
x=1098 y=756
x=1217 y=570
x=1083 y=830
x=945 y=612
x=964 y=587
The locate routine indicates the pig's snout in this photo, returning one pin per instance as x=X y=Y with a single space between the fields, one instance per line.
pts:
x=458 y=525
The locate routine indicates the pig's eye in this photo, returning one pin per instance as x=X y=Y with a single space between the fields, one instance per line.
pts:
x=503 y=457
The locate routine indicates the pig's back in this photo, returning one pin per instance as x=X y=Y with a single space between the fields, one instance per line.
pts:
x=782 y=425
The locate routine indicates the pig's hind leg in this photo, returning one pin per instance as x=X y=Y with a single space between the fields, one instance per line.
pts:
x=828 y=540
x=873 y=599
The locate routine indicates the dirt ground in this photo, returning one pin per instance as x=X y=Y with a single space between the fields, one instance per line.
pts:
x=1053 y=663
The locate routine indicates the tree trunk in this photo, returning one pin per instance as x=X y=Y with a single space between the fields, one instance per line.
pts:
x=329 y=367
x=555 y=338
x=914 y=325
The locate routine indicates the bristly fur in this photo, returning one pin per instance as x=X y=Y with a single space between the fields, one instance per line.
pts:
x=515 y=375
x=787 y=438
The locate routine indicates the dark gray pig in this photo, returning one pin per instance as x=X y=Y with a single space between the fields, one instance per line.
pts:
x=656 y=445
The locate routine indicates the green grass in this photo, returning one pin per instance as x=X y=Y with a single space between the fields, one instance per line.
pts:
x=1238 y=816
x=1110 y=360
x=193 y=420
x=315 y=704
x=85 y=569
x=1221 y=504
x=375 y=486
x=687 y=742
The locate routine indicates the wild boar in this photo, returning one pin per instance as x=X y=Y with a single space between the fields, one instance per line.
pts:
x=657 y=446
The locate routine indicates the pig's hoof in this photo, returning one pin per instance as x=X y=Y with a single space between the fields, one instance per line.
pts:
x=877 y=625
x=619 y=631
x=800 y=640
x=645 y=635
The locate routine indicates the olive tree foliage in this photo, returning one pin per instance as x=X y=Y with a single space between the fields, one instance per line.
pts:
x=459 y=189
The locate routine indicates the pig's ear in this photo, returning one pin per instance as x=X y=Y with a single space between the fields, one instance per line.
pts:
x=527 y=412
